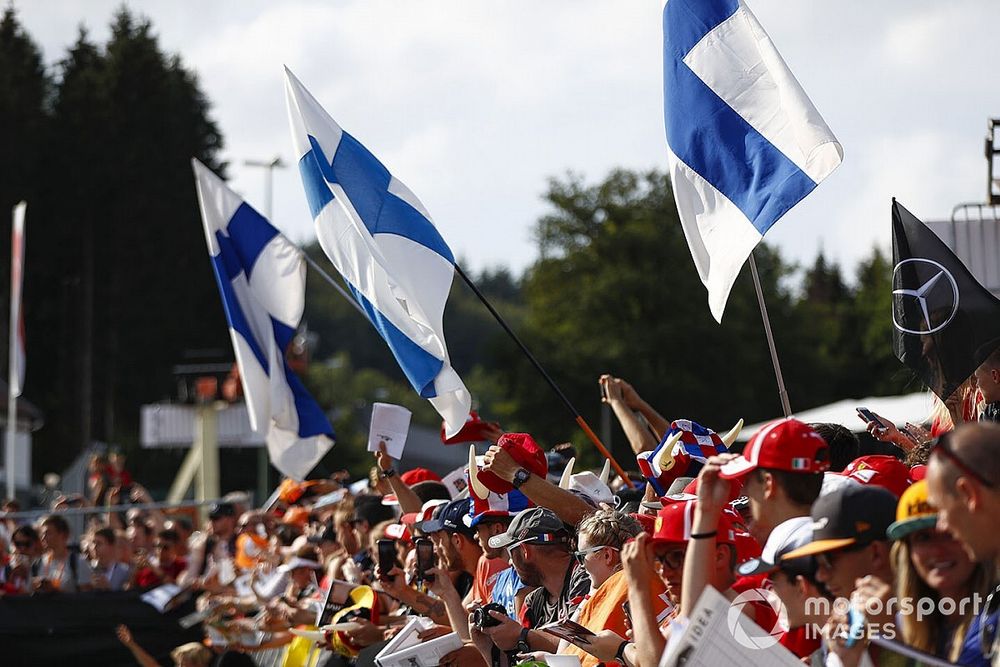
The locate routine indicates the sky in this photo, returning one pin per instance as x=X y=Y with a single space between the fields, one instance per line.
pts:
x=475 y=105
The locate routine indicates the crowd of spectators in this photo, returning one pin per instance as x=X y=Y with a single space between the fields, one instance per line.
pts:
x=532 y=546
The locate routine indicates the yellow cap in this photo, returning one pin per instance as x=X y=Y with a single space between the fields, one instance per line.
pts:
x=914 y=512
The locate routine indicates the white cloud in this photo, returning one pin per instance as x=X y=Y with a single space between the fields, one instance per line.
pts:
x=474 y=105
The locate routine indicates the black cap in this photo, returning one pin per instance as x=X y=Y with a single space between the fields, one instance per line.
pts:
x=219 y=510
x=537 y=525
x=450 y=518
x=856 y=514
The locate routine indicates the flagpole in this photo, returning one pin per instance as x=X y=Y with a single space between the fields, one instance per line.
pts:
x=11 y=432
x=580 y=421
x=782 y=394
x=13 y=376
x=333 y=283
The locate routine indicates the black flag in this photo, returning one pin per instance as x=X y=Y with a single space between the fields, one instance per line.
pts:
x=945 y=323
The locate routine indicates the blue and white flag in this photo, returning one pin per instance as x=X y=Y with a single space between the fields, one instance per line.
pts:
x=746 y=144
x=382 y=241
x=262 y=279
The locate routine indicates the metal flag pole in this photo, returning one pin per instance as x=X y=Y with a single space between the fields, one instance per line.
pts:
x=782 y=394
x=13 y=377
x=580 y=421
x=333 y=283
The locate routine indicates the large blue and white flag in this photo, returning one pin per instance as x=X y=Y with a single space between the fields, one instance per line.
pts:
x=746 y=144
x=382 y=241
x=262 y=279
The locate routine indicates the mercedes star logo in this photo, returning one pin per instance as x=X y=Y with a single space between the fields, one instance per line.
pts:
x=942 y=302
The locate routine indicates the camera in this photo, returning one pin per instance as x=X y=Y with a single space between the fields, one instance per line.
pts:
x=482 y=619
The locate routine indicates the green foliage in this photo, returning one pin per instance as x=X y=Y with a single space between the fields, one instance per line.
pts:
x=118 y=284
x=117 y=281
x=351 y=391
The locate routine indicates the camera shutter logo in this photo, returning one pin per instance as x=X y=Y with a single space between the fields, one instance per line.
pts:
x=742 y=627
x=943 y=299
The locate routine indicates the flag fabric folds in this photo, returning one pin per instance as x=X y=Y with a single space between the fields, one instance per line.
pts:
x=745 y=142
x=382 y=241
x=17 y=346
x=945 y=324
x=261 y=277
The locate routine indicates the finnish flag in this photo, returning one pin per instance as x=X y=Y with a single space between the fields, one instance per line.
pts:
x=262 y=278
x=382 y=241
x=746 y=144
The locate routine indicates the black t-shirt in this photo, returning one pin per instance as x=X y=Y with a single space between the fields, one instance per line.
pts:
x=463 y=584
x=541 y=609
x=991 y=412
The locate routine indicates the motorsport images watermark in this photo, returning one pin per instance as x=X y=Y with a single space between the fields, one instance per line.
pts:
x=749 y=634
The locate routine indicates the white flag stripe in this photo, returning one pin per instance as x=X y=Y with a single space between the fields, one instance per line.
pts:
x=388 y=251
x=17 y=357
x=261 y=278
x=738 y=61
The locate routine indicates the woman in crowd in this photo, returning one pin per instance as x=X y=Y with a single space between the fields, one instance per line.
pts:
x=601 y=536
x=931 y=564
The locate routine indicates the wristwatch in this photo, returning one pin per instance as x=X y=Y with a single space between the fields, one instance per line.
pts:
x=522 y=640
x=520 y=477
x=391 y=472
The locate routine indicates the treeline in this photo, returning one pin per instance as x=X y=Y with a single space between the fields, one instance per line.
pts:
x=616 y=291
x=117 y=279
x=118 y=285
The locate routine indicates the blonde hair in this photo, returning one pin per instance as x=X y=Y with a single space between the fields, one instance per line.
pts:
x=609 y=528
x=927 y=634
x=193 y=653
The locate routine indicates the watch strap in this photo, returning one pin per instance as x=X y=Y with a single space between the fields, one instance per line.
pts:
x=522 y=641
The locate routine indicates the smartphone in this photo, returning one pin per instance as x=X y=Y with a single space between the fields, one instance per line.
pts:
x=604 y=392
x=386 y=557
x=425 y=559
x=628 y=612
x=870 y=416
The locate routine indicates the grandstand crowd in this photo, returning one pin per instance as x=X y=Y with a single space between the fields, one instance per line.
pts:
x=535 y=558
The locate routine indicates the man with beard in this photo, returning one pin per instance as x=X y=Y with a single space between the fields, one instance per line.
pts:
x=541 y=550
x=455 y=543
x=457 y=555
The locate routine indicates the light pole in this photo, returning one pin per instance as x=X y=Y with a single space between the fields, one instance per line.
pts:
x=263 y=462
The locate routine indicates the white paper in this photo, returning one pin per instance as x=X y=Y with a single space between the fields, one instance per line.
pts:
x=405 y=638
x=160 y=596
x=707 y=640
x=425 y=654
x=331 y=498
x=390 y=424
x=456 y=479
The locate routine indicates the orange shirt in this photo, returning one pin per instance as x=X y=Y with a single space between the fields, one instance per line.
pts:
x=487 y=570
x=248 y=550
x=603 y=611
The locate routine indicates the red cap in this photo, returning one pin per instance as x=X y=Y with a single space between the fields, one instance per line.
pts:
x=735 y=488
x=880 y=470
x=918 y=472
x=416 y=475
x=746 y=547
x=398 y=531
x=787 y=444
x=525 y=451
x=674 y=521
x=647 y=521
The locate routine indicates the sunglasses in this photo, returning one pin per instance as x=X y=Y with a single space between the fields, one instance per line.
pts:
x=940 y=446
x=829 y=559
x=673 y=559
x=582 y=554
